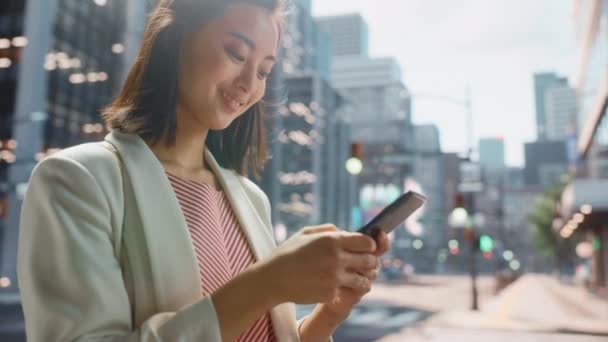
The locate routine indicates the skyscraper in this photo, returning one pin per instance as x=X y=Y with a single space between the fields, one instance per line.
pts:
x=309 y=138
x=543 y=82
x=349 y=34
x=380 y=101
x=560 y=112
x=12 y=43
x=306 y=48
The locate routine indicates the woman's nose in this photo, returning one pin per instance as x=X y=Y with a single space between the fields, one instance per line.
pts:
x=246 y=79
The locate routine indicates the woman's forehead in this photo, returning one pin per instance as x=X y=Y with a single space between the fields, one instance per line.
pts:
x=253 y=24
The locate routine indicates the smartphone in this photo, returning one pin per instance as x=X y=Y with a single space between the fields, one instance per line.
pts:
x=394 y=214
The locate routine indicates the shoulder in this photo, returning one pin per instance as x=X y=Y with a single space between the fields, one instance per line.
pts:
x=89 y=155
x=89 y=162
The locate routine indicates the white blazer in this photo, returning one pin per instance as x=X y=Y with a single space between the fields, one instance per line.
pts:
x=83 y=278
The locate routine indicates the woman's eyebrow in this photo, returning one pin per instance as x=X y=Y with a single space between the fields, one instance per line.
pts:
x=249 y=42
x=244 y=38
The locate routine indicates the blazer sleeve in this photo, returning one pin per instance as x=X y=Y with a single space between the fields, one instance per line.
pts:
x=70 y=280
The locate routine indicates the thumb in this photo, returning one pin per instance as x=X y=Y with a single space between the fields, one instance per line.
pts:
x=320 y=229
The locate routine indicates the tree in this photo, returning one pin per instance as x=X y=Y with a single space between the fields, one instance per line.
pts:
x=545 y=239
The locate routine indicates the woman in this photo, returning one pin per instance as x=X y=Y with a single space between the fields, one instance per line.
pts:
x=147 y=237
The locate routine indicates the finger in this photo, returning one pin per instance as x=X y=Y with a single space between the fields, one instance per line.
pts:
x=320 y=229
x=369 y=274
x=357 y=242
x=383 y=244
x=353 y=281
x=359 y=261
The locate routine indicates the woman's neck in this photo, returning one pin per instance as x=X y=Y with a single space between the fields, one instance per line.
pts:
x=187 y=153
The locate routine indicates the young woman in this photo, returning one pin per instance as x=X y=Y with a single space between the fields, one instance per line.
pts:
x=148 y=237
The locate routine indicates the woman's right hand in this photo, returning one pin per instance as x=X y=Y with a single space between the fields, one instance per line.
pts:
x=314 y=263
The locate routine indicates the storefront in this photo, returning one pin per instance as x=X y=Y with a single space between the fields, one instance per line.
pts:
x=584 y=211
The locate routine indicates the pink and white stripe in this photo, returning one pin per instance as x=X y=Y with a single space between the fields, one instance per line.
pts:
x=222 y=251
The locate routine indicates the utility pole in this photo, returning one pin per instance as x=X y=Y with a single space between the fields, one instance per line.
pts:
x=469 y=109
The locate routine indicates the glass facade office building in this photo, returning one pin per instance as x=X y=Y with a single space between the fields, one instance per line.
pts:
x=84 y=66
x=12 y=43
x=61 y=61
x=592 y=83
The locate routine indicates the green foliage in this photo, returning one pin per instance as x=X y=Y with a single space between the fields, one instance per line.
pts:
x=545 y=239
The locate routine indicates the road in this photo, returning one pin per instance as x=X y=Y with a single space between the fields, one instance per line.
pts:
x=534 y=308
x=436 y=308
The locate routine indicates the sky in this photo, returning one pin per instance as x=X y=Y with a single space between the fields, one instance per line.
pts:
x=492 y=46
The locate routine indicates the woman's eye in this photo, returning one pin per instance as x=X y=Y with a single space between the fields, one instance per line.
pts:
x=235 y=55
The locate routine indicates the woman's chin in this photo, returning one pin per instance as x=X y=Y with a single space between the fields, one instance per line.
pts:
x=221 y=123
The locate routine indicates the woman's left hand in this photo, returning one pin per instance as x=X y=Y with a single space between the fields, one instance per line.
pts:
x=341 y=306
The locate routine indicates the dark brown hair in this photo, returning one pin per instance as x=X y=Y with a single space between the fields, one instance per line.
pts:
x=147 y=102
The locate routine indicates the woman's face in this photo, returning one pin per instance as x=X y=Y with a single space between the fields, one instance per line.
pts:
x=225 y=65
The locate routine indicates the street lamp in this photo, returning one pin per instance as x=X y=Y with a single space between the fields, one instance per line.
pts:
x=459 y=218
x=464 y=103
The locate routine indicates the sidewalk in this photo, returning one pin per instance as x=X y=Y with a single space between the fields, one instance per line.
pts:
x=532 y=309
x=439 y=334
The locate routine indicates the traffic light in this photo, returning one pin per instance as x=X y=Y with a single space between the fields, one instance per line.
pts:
x=356 y=150
x=486 y=244
x=458 y=201
x=3 y=206
x=354 y=164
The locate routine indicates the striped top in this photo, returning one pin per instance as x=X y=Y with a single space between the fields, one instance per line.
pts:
x=222 y=251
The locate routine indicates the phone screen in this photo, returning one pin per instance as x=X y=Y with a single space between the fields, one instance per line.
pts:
x=394 y=214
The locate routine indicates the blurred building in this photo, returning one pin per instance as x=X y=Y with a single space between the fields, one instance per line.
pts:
x=378 y=108
x=306 y=48
x=542 y=83
x=517 y=205
x=584 y=204
x=422 y=168
x=381 y=111
x=306 y=179
x=546 y=162
x=379 y=99
x=514 y=178
x=492 y=153
x=315 y=148
x=65 y=61
x=426 y=138
x=349 y=34
x=12 y=43
x=492 y=159
x=560 y=112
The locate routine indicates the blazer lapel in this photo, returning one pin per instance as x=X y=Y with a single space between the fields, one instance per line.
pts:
x=256 y=232
x=259 y=238
x=174 y=270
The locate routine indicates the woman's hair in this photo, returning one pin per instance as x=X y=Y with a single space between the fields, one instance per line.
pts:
x=147 y=102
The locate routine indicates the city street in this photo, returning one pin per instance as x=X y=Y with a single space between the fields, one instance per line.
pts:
x=534 y=308
x=435 y=308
